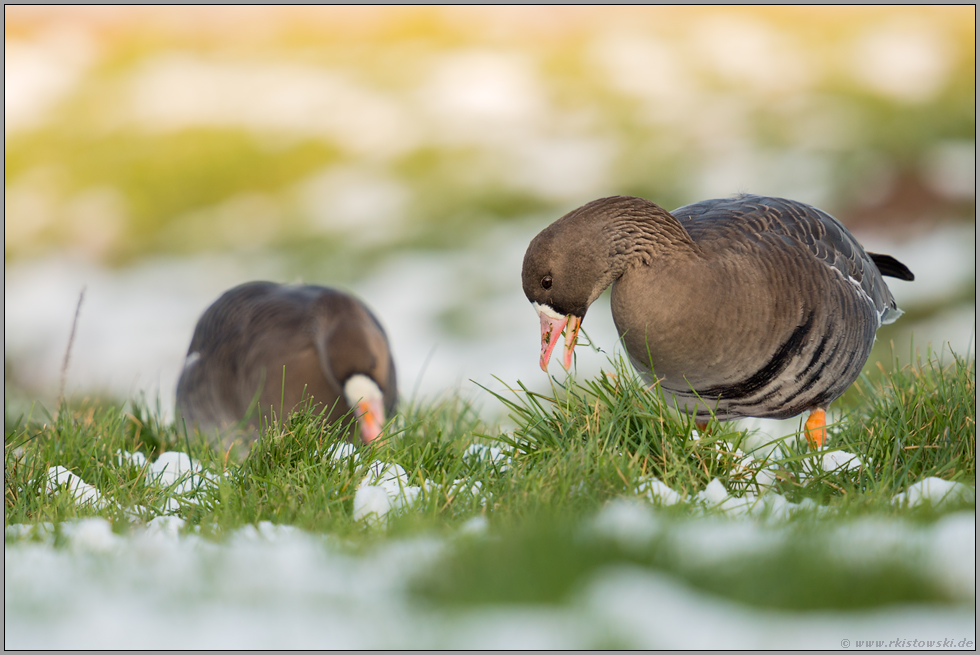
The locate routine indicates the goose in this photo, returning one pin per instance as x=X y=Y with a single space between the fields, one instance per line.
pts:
x=748 y=306
x=277 y=345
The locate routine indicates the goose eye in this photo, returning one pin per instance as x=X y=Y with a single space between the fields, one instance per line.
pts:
x=546 y=282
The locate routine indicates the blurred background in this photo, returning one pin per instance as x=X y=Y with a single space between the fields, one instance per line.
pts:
x=159 y=156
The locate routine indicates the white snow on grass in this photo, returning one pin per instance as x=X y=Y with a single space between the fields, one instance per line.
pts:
x=658 y=493
x=841 y=459
x=91 y=534
x=951 y=554
x=475 y=526
x=177 y=475
x=273 y=586
x=371 y=503
x=61 y=479
x=715 y=498
x=491 y=455
x=341 y=451
x=649 y=609
x=386 y=489
x=178 y=471
x=165 y=526
x=268 y=586
x=136 y=459
x=627 y=522
x=383 y=489
x=935 y=491
x=386 y=486
x=276 y=586
x=946 y=550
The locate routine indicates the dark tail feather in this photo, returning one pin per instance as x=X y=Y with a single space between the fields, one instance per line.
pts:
x=891 y=267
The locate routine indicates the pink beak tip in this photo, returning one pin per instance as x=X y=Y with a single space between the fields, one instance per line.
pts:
x=551 y=329
x=370 y=422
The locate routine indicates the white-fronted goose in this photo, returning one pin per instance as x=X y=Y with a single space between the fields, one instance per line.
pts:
x=277 y=345
x=746 y=306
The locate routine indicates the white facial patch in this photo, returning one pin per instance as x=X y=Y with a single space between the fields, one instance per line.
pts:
x=361 y=387
x=547 y=311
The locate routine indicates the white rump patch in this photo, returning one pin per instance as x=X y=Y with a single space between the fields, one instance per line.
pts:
x=547 y=311
x=889 y=315
x=361 y=387
x=192 y=359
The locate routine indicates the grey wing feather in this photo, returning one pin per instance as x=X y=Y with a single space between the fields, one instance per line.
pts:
x=797 y=223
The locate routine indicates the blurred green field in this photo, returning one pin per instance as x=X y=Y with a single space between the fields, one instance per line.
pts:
x=158 y=156
x=136 y=131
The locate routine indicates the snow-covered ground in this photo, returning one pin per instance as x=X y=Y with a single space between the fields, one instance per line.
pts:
x=275 y=586
x=278 y=587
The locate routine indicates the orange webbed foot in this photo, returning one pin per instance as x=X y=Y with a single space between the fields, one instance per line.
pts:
x=816 y=428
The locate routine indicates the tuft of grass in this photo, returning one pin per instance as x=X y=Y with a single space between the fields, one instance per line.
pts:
x=915 y=422
x=921 y=421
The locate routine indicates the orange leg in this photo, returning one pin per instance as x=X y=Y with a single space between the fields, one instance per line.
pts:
x=816 y=428
x=702 y=427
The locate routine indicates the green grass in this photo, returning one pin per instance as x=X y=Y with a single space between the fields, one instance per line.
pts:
x=914 y=423
x=572 y=451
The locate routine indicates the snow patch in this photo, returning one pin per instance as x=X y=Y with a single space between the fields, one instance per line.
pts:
x=343 y=451
x=625 y=598
x=475 y=526
x=181 y=477
x=489 y=454
x=714 y=494
x=91 y=534
x=951 y=554
x=165 y=526
x=841 y=459
x=371 y=504
x=383 y=489
x=61 y=479
x=626 y=522
x=273 y=585
x=658 y=492
x=935 y=491
x=136 y=459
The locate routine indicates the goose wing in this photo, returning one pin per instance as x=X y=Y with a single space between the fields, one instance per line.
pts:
x=759 y=218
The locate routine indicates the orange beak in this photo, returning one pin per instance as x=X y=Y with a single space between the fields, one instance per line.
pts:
x=370 y=418
x=550 y=329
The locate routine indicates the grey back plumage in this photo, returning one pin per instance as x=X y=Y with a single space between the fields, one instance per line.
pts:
x=760 y=218
x=262 y=348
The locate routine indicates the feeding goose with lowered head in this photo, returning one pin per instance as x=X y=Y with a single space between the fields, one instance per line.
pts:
x=741 y=307
x=278 y=345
